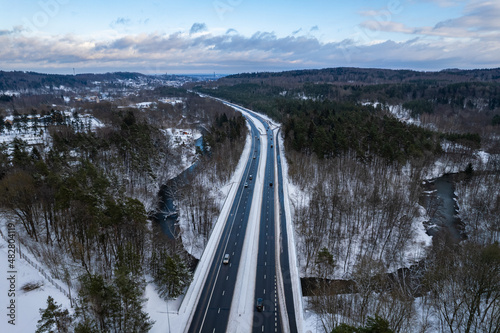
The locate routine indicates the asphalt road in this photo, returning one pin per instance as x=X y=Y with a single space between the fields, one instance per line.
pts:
x=284 y=255
x=213 y=308
x=212 y=311
x=269 y=319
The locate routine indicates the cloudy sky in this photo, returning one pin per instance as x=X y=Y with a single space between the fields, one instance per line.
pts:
x=233 y=36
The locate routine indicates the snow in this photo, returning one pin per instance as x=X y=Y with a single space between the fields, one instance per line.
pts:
x=10 y=93
x=149 y=105
x=172 y=101
x=28 y=304
x=35 y=133
x=483 y=156
x=165 y=314
x=184 y=139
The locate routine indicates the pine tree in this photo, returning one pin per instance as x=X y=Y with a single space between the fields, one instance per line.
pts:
x=130 y=287
x=173 y=275
x=53 y=319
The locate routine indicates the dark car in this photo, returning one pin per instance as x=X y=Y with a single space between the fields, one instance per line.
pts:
x=259 y=304
x=270 y=184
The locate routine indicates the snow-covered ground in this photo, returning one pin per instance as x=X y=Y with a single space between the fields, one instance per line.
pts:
x=27 y=303
x=35 y=132
x=149 y=105
x=172 y=316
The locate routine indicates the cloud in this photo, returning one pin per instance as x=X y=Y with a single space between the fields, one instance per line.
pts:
x=123 y=20
x=479 y=21
x=15 y=30
x=444 y=3
x=198 y=27
x=315 y=28
x=387 y=26
x=233 y=52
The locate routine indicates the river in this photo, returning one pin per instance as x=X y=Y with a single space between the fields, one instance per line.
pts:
x=440 y=202
x=167 y=215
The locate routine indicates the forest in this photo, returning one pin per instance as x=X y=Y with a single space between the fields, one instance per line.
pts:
x=360 y=145
x=23 y=81
x=84 y=198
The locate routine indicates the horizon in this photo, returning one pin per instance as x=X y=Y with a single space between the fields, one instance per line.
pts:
x=219 y=75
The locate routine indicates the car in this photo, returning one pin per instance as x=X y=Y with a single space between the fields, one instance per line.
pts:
x=259 y=304
x=271 y=146
x=246 y=184
x=225 y=261
x=271 y=184
x=250 y=177
x=254 y=157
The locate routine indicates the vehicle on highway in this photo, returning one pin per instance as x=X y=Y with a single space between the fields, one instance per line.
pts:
x=246 y=184
x=226 y=259
x=250 y=177
x=259 y=304
x=270 y=184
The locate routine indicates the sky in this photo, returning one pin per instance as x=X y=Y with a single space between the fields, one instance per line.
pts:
x=235 y=36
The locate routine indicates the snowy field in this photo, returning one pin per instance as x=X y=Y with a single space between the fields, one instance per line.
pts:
x=27 y=303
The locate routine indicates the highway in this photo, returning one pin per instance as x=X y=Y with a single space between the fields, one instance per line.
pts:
x=213 y=308
x=284 y=252
x=266 y=283
x=212 y=312
x=270 y=319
